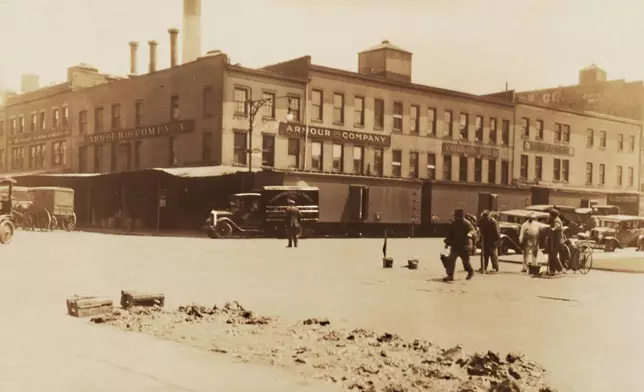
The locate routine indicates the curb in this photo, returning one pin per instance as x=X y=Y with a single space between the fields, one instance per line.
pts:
x=605 y=269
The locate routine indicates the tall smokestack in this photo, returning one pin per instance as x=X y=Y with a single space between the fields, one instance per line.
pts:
x=133 y=49
x=191 y=30
x=173 y=46
x=153 y=56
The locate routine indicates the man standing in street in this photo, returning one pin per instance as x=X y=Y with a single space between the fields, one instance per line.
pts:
x=529 y=240
x=292 y=223
x=555 y=242
x=460 y=233
x=490 y=237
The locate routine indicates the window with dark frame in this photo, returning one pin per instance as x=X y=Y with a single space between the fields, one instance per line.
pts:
x=414 y=119
x=82 y=122
x=431 y=166
x=413 y=165
x=316 y=156
x=82 y=159
x=632 y=143
x=268 y=150
x=505 y=132
x=21 y=124
x=206 y=146
x=59 y=153
x=602 y=139
x=240 y=148
x=590 y=138
x=493 y=131
x=447 y=168
x=55 y=118
x=2 y=127
x=525 y=128
x=619 y=175
x=431 y=121
x=462 y=169
x=556 y=169
x=116 y=116
x=240 y=95
x=558 y=132
x=337 y=155
x=602 y=174
x=295 y=109
x=631 y=176
x=378 y=114
x=565 y=170
x=398 y=116
x=98 y=119
x=620 y=142
x=208 y=109
x=491 y=171
x=358 y=159
x=293 y=151
x=478 y=170
x=42 y=121
x=174 y=108
x=65 y=116
x=449 y=123
x=338 y=108
x=505 y=172
x=378 y=161
x=566 y=133
x=268 y=110
x=317 y=105
x=33 y=122
x=138 y=112
x=396 y=163
x=98 y=158
x=589 y=173
x=12 y=127
x=540 y=130
x=523 y=172
x=538 y=168
x=2 y=159
x=478 y=128
x=358 y=111
x=464 y=126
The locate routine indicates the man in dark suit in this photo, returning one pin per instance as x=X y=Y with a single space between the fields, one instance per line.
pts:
x=292 y=223
x=461 y=231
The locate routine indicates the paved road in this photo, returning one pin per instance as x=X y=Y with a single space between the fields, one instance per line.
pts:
x=623 y=260
x=586 y=330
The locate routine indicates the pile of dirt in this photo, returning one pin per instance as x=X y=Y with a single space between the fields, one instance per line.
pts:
x=360 y=360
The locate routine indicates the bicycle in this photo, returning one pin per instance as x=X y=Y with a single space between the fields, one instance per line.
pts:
x=578 y=256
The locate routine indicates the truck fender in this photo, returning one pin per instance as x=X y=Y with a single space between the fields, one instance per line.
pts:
x=230 y=222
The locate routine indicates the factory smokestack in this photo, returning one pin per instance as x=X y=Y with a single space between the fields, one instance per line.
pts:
x=173 y=46
x=153 y=56
x=133 y=49
x=191 y=30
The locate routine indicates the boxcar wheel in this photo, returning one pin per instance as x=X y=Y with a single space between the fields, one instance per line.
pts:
x=6 y=232
x=223 y=230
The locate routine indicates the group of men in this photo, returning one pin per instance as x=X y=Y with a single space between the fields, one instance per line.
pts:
x=462 y=236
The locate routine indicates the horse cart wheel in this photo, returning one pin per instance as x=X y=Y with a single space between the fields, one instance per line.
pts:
x=43 y=220
x=6 y=232
x=55 y=225
x=585 y=259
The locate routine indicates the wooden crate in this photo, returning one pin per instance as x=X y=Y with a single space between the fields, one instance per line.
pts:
x=88 y=306
x=138 y=298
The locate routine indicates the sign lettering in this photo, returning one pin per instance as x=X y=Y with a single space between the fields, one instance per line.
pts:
x=41 y=137
x=622 y=199
x=546 y=148
x=172 y=128
x=335 y=134
x=468 y=149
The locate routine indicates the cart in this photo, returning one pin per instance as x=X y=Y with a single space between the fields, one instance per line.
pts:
x=7 y=226
x=53 y=208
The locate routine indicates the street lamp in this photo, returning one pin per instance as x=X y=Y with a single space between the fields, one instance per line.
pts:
x=253 y=109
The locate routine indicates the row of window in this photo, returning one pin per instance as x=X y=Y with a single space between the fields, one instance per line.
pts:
x=590 y=140
x=243 y=104
x=619 y=177
x=37 y=122
x=36 y=156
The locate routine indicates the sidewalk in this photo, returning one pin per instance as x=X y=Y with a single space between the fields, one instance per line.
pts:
x=626 y=263
x=149 y=233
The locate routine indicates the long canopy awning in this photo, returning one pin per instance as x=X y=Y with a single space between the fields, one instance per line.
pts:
x=182 y=172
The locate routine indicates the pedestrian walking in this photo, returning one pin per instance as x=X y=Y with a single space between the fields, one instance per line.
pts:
x=529 y=240
x=292 y=219
x=460 y=232
x=490 y=237
x=555 y=243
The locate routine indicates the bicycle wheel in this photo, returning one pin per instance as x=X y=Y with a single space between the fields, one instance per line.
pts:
x=585 y=259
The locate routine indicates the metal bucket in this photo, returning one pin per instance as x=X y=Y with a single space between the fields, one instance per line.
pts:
x=412 y=264
x=387 y=262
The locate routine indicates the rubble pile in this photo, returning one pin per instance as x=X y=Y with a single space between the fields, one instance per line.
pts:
x=359 y=360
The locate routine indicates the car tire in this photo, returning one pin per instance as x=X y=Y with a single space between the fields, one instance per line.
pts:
x=6 y=232
x=223 y=230
x=610 y=246
x=504 y=247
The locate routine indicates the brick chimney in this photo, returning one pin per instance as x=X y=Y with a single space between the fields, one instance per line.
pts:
x=153 y=56
x=133 y=49
x=173 y=46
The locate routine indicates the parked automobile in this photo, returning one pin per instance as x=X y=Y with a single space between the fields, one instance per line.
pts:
x=510 y=227
x=616 y=232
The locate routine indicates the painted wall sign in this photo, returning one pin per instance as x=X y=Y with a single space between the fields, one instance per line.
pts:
x=172 y=128
x=337 y=135
x=618 y=198
x=468 y=149
x=547 y=148
x=40 y=137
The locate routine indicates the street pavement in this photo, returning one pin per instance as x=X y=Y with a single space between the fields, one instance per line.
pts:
x=622 y=260
x=585 y=329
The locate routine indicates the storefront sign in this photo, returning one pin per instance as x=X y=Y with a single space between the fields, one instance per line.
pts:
x=173 y=128
x=615 y=199
x=546 y=148
x=40 y=137
x=468 y=149
x=337 y=135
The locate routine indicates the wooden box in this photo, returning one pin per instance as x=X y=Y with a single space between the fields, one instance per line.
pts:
x=138 y=298
x=88 y=306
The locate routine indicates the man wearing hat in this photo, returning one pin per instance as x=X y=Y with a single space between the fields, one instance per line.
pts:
x=490 y=241
x=555 y=242
x=460 y=233
x=529 y=240
x=292 y=223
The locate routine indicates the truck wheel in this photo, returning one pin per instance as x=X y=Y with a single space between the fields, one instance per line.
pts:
x=211 y=233
x=223 y=230
x=6 y=232
x=610 y=246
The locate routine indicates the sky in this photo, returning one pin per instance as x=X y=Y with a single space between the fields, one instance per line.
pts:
x=474 y=46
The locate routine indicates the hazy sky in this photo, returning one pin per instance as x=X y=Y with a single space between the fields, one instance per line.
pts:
x=468 y=45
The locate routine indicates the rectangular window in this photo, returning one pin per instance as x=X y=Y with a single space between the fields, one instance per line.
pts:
x=540 y=130
x=241 y=101
x=396 y=163
x=82 y=159
x=316 y=156
x=55 y=118
x=538 y=168
x=565 y=170
x=317 y=105
x=2 y=127
x=413 y=165
x=98 y=119
x=602 y=174
x=12 y=127
x=358 y=159
x=505 y=172
x=268 y=150
x=619 y=175
x=98 y=158
x=524 y=167
x=32 y=157
x=174 y=108
x=478 y=128
x=632 y=143
x=295 y=109
x=42 y=121
x=556 y=169
x=138 y=112
x=358 y=111
x=21 y=124
x=631 y=176
x=378 y=161
x=431 y=166
x=525 y=128
x=338 y=158
x=602 y=139
x=116 y=116
x=17 y=158
x=505 y=132
x=240 y=148
x=493 y=133
x=206 y=146
x=82 y=122
x=462 y=169
x=414 y=121
x=208 y=99
x=620 y=142
x=589 y=173
x=431 y=121
x=293 y=151
x=2 y=159
x=172 y=147
x=59 y=153
x=590 y=138
x=137 y=154
x=65 y=116
x=447 y=168
x=491 y=171
x=558 y=132
x=449 y=123
x=398 y=116
x=566 y=133
x=478 y=170
x=33 y=122
x=464 y=126
x=338 y=108
x=268 y=110
x=378 y=114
